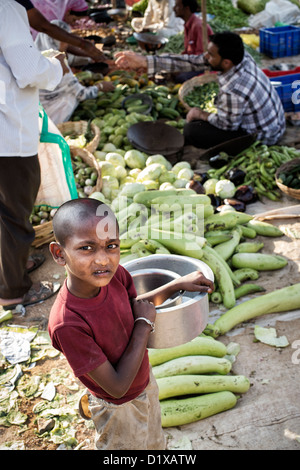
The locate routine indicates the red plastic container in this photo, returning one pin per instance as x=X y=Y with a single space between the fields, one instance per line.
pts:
x=280 y=73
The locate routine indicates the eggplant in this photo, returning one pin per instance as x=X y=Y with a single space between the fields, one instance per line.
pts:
x=236 y=176
x=202 y=177
x=246 y=194
x=216 y=201
x=217 y=161
x=239 y=206
x=196 y=186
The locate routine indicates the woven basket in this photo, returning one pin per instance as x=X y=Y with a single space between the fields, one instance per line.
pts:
x=295 y=193
x=78 y=128
x=43 y=234
x=91 y=161
x=189 y=85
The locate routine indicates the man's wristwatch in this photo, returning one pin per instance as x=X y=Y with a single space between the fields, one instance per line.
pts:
x=151 y=323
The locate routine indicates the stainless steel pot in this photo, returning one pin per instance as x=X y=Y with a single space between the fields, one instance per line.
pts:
x=181 y=323
x=146 y=280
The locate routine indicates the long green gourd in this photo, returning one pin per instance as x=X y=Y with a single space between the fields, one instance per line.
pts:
x=280 y=300
x=200 y=345
x=176 y=412
x=187 y=365
x=179 y=385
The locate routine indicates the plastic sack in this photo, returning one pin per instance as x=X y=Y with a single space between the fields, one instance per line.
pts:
x=57 y=178
x=282 y=11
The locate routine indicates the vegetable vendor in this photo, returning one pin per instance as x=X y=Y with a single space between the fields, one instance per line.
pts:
x=247 y=103
x=40 y=20
x=159 y=17
x=102 y=327
x=61 y=102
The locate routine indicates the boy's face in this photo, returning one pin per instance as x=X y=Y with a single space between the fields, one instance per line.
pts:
x=91 y=261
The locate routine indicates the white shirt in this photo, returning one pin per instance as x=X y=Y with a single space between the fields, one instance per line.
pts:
x=23 y=71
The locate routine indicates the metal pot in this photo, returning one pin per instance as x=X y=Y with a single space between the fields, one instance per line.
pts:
x=180 y=323
x=146 y=280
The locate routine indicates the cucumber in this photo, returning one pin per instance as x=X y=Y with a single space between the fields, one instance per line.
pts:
x=187 y=365
x=246 y=289
x=148 y=196
x=264 y=228
x=243 y=274
x=194 y=384
x=198 y=346
x=258 y=261
x=222 y=276
x=220 y=221
x=176 y=412
x=249 y=247
x=214 y=237
x=247 y=231
x=226 y=249
x=182 y=200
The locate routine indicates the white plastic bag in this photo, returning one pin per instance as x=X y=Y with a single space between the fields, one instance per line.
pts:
x=282 y=11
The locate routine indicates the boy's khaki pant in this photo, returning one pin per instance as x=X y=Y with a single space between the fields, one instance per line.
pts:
x=135 y=425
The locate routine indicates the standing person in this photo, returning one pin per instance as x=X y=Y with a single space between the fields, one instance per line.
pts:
x=76 y=45
x=193 y=33
x=159 y=17
x=23 y=70
x=247 y=103
x=61 y=102
x=193 y=39
x=102 y=327
x=59 y=9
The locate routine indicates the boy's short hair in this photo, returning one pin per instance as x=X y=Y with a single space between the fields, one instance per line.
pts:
x=75 y=212
x=230 y=46
x=192 y=4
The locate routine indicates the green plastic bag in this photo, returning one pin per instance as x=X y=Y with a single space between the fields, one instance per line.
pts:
x=57 y=178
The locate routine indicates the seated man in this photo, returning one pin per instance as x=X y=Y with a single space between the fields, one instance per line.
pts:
x=246 y=103
x=159 y=17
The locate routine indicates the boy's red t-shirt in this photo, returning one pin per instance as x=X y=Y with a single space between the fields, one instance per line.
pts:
x=91 y=331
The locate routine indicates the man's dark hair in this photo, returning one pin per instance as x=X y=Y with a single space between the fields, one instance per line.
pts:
x=192 y=4
x=230 y=46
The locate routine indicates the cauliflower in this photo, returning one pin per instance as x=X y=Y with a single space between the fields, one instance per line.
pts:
x=225 y=189
x=210 y=186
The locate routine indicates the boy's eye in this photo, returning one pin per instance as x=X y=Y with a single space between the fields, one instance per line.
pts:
x=85 y=248
x=113 y=246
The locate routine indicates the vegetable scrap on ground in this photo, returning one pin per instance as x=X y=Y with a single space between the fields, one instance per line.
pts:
x=233 y=387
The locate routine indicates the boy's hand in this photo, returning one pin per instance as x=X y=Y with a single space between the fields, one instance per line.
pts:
x=196 y=282
x=143 y=308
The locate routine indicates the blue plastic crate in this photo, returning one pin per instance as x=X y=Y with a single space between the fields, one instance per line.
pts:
x=288 y=91
x=281 y=41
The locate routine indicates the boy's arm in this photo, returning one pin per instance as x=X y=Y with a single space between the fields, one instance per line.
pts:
x=193 y=282
x=117 y=379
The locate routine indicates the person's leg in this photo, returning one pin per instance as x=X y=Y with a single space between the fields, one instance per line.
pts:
x=202 y=134
x=135 y=425
x=19 y=184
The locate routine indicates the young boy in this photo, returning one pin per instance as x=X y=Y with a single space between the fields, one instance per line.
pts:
x=102 y=327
